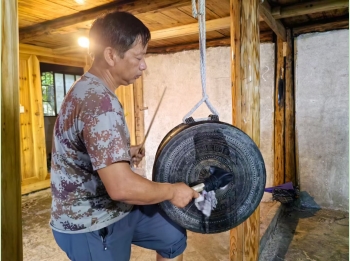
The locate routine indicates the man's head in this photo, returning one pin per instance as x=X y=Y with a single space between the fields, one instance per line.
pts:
x=120 y=41
x=119 y=30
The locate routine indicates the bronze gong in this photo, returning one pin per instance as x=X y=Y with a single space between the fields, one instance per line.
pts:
x=185 y=155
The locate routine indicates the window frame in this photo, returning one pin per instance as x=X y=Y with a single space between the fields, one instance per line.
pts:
x=58 y=69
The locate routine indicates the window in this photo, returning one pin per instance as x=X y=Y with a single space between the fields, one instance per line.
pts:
x=56 y=81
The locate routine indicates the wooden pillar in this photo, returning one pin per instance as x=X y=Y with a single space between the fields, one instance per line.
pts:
x=139 y=108
x=245 y=81
x=11 y=218
x=279 y=115
x=290 y=164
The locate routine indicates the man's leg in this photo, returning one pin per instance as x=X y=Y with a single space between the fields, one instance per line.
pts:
x=156 y=231
x=178 y=258
x=112 y=243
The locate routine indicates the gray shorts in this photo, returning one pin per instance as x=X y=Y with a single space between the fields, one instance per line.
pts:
x=145 y=226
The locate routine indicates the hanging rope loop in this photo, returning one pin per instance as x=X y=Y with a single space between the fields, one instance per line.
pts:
x=202 y=51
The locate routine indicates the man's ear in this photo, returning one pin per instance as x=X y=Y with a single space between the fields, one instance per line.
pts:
x=110 y=56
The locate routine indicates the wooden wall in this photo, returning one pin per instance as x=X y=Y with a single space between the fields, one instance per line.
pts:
x=34 y=172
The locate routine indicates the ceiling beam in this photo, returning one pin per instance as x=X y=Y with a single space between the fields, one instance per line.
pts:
x=190 y=29
x=133 y=6
x=173 y=32
x=275 y=25
x=308 y=8
x=225 y=41
x=148 y=6
x=334 y=24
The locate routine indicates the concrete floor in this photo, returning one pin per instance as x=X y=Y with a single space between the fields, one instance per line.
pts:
x=309 y=234
x=39 y=245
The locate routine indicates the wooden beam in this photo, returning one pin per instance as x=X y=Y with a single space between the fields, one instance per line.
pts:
x=47 y=52
x=11 y=210
x=177 y=31
x=139 y=111
x=290 y=165
x=225 y=41
x=279 y=115
x=133 y=6
x=275 y=25
x=190 y=29
x=336 y=24
x=245 y=81
x=308 y=8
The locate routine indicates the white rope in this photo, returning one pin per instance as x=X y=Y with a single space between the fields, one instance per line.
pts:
x=202 y=50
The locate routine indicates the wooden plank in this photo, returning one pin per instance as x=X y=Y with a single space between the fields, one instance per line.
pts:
x=133 y=6
x=173 y=32
x=37 y=115
x=308 y=8
x=26 y=135
x=339 y=23
x=11 y=211
x=47 y=52
x=245 y=79
x=125 y=95
x=61 y=61
x=290 y=167
x=278 y=178
x=184 y=30
x=139 y=111
x=275 y=25
x=25 y=189
x=224 y=41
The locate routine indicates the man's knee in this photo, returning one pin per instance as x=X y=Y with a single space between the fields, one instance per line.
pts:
x=177 y=248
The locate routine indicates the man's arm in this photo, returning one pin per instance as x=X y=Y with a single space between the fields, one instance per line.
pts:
x=122 y=184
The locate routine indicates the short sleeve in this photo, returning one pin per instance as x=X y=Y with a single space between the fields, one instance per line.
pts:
x=107 y=139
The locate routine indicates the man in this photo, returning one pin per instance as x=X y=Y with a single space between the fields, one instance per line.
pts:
x=99 y=205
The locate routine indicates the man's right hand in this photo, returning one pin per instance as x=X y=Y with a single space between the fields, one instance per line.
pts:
x=182 y=195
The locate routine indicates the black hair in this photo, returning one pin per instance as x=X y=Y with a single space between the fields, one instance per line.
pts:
x=118 y=30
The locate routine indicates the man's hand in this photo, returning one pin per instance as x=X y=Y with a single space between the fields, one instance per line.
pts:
x=136 y=154
x=182 y=195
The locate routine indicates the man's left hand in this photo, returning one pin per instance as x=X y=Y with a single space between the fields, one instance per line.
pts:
x=137 y=154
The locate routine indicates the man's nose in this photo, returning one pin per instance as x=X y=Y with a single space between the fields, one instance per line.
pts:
x=143 y=65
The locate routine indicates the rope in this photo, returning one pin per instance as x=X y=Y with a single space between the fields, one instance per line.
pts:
x=202 y=50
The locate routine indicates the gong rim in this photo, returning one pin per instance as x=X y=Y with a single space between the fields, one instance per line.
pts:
x=232 y=144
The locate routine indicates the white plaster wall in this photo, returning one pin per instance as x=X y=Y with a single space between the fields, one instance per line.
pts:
x=322 y=130
x=180 y=73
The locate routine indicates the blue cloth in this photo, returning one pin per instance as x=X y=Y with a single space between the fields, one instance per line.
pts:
x=145 y=226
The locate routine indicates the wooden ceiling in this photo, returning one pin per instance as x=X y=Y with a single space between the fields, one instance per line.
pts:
x=57 y=24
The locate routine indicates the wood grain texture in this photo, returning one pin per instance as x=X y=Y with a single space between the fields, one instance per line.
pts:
x=245 y=79
x=278 y=178
x=125 y=95
x=332 y=24
x=275 y=25
x=290 y=168
x=11 y=211
x=32 y=131
x=307 y=8
x=139 y=111
x=134 y=7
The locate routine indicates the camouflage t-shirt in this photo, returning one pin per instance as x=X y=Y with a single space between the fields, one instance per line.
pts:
x=90 y=133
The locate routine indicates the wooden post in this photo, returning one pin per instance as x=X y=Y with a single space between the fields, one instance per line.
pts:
x=11 y=217
x=139 y=108
x=290 y=167
x=245 y=81
x=279 y=116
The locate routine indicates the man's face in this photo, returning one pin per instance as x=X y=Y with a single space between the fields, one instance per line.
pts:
x=130 y=67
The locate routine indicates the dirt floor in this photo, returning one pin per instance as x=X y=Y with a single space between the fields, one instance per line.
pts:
x=295 y=236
